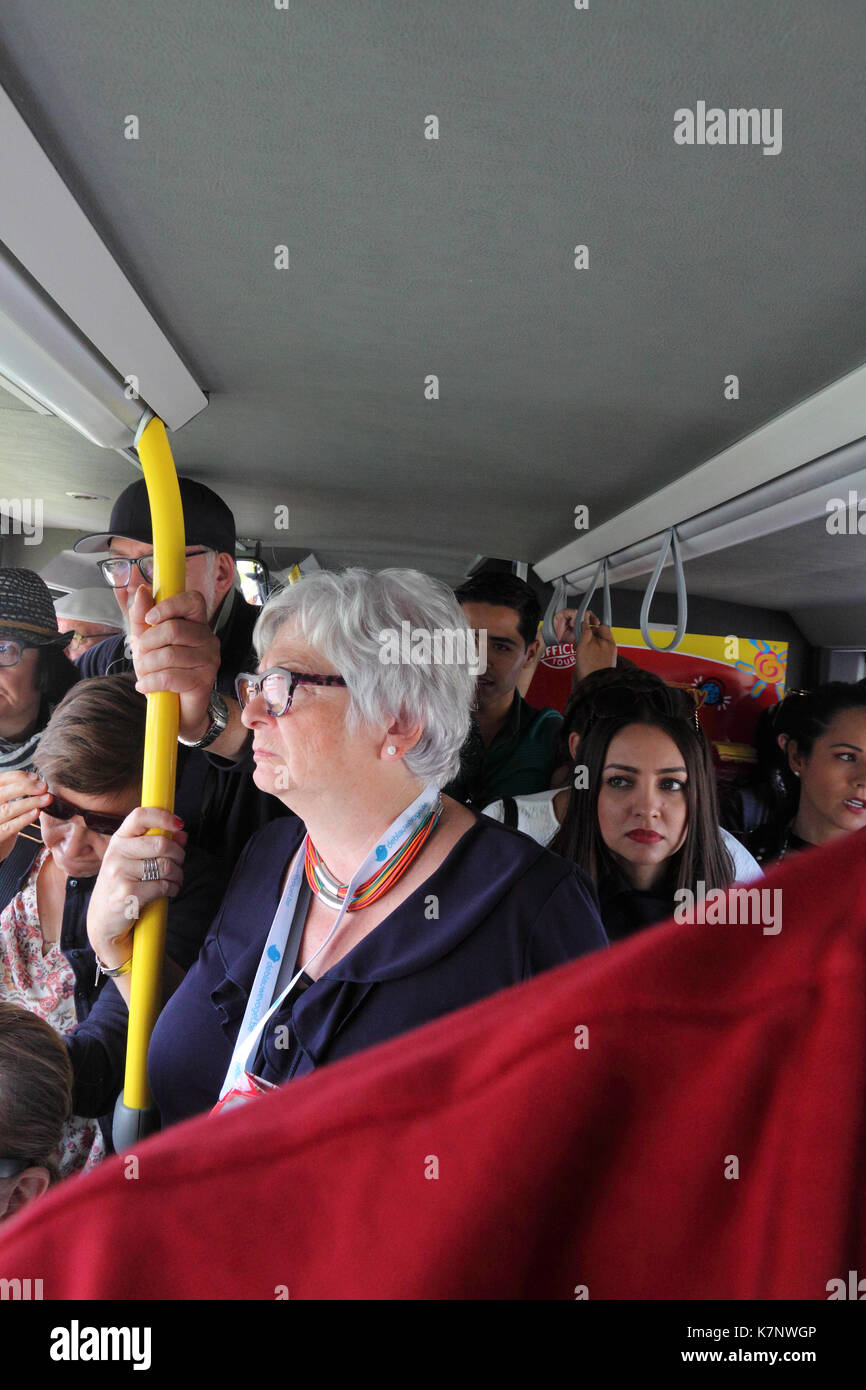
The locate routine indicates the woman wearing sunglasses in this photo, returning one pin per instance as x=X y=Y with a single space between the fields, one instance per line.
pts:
x=642 y=816
x=90 y=760
x=380 y=904
x=541 y=814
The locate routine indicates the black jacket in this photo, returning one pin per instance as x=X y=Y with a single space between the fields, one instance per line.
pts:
x=626 y=910
x=97 y=1045
x=219 y=802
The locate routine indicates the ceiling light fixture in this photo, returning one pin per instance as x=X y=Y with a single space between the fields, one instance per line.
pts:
x=74 y=335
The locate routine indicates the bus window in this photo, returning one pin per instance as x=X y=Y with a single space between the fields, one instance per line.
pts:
x=253 y=576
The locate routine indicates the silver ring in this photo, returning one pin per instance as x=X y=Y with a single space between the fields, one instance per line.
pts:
x=150 y=871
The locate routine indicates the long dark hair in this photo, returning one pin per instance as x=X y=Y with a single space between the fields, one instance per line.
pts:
x=592 y=690
x=805 y=716
x=703 y=856
x=55 y=674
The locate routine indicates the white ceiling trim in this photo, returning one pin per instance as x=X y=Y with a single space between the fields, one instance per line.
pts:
x=46 y=230
x=818 y=426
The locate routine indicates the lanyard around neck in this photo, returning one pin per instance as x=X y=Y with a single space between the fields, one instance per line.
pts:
x=258 y=1012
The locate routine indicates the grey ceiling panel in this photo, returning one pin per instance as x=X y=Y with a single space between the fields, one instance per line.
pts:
x=454 y=257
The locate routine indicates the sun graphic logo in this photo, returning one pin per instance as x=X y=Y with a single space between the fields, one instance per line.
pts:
x=768 y=668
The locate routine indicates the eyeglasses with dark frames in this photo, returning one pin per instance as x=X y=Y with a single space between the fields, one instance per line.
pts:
x=100 y=821
x=11 y=653
x=278 y=686
x=118 y=571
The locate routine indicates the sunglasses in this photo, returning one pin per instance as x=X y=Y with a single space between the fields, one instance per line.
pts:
x=278 y=686
x=99 y=821
x=621 y=701
x=118 y=572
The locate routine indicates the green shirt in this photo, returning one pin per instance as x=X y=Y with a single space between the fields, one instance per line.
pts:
x=520 y=759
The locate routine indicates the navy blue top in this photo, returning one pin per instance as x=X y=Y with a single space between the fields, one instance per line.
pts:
x=507 y=909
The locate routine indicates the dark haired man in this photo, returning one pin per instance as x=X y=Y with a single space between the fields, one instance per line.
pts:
x=511 y=747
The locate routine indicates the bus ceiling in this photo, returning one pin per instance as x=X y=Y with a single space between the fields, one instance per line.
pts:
x=643 y=350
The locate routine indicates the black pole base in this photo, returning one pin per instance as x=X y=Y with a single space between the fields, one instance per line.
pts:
x=129 y=1127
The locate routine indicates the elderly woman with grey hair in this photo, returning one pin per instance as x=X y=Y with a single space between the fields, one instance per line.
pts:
x=380 y=904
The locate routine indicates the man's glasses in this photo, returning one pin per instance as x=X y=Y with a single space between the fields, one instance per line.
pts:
x=277 y=686
x=11 y=653
x=81 y=639
x=118 y=572
x=102 y=823
x=11 y=1167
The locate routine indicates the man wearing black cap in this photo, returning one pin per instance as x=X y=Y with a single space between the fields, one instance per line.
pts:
x=210 y=571
x=212 y=627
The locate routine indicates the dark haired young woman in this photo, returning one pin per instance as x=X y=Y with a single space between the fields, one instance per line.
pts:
x=822 y=769
x=646 y=821
x=541 y=814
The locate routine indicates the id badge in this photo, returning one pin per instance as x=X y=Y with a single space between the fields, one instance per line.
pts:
x=249 y=1089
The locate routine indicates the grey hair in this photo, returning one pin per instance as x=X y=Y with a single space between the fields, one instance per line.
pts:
x=344 y=617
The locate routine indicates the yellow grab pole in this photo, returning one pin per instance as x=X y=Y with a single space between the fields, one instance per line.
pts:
x=134 y=1115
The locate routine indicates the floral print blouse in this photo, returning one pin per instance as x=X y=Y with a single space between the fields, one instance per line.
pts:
x=42 y=981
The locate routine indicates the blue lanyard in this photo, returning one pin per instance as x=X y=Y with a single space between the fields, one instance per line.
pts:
x=258 y=1012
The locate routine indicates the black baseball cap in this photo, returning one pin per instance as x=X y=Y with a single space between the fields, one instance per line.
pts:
x=206 y=518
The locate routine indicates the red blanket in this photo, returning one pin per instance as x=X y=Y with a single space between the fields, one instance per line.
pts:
x=707 y=1141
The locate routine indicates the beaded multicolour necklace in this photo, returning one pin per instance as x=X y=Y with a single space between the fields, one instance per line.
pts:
x=333 y=893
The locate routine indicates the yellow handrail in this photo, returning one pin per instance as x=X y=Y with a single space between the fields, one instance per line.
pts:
x=160 y=765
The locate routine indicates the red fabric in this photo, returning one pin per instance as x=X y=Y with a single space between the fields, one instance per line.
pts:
x=558 y=1167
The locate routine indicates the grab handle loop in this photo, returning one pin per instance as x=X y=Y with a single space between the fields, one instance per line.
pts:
x=558 y=601
x=601 y=573
x=671 y=539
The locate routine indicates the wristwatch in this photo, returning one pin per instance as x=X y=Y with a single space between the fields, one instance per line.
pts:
x=218 y=714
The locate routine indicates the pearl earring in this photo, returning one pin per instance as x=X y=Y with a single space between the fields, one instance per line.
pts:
x=391 y=749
